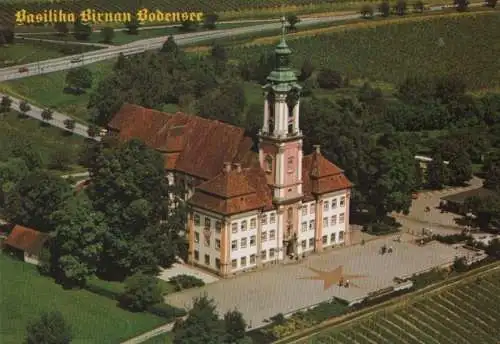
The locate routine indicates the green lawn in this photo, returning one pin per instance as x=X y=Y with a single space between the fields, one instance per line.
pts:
x=45 y=138
x=47 y=91
x=94 y=319
x=26 y=52
x=121 y=37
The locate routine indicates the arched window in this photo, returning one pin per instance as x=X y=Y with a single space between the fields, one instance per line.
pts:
x=290 y=165
x=269 y=163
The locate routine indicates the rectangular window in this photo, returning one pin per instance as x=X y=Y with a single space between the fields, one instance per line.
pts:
x=196 y=237
x=234 y=263
x=312 y=225
x=253 y=223
x=252 y=259
x=341 y=218
x=333 y=220
x=325 y=222
x=197 y=219
x=342 y=201
x=253 y=242
x=206 y=238
x=304 y=210
x=264 y=219
x=272 y=235
x=196 y=255
x=304 y=244
x=325 y=239
x=234 y=245
x=218 y=227
x=217 y=244
x=311 y=242
x=208 y=223
x=243 y=261
x=243 y=243
x=234 y=228
x=271 y=253
x=217 y=263
x=263 y=254
x=341 y=236
x=244 y=225
x=326 y=206
x=332 y=238
x=263 y=236
x=207 y=259
x=312 y=209
x=334 y=203
x=304 y=226
x=272 y=218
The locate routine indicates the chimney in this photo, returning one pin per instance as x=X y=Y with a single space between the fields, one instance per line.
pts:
x=317 y=148
x=237 y=167
x=227 y=167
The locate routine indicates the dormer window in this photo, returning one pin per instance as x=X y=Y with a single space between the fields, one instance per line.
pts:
x=269 y=164
x=290 y=166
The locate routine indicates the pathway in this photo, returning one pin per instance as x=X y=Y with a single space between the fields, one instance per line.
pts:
x=153 y=333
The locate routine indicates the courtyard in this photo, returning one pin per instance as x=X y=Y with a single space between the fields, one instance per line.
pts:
x=262 y=294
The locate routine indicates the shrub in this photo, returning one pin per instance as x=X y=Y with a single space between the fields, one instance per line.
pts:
x=384 y=9
x=181 y=282
x=141 y=291
x=329 y=79
x=166 y=311
x=367 y=11
x=50 y=328
x=400 y=8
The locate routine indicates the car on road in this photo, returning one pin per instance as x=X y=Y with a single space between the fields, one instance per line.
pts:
x=76 y=59
x=23 y=69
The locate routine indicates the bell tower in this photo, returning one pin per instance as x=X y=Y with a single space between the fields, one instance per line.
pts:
x=280 y=139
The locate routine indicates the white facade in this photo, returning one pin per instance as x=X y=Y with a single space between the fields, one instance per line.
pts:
x=207 y=239
x=243 y=241
x=335 y=218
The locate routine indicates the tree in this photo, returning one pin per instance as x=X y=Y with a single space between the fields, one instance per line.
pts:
x=210 y=21
x=121 y=62
x=47 y=114
x=61 y=28
x=235 y=326
x=133 y=26
x=419 y=6
x=491 y=3
x=400 y=7
x=189 y=26
x=141 y=291
x=78 y=243
x=449 y=88
x=367 y=11
x=416 y=90
x=487 y=210
x=460 y=168
x=93 y=130
x=329 y=79
x=35 y=198
x=24 y=107
x=225 y=103
x=6 y=35
x=170 y=47
x=437 y=173
x=49 y=328
x=219 y=53
x=79 y=78
x=292 y=20
x=201 y=326
x=306 y=70
x=130 y=187
x=384 y=9
x=81 y=31
x=70 y=124
x=5 y=104
x=492 y=178
x=462 y=5
x=107 y=33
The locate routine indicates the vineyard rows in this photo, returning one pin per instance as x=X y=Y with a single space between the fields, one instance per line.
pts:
x=465 y=44
x=466 y=313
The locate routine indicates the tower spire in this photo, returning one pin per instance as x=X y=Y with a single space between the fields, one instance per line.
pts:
x=283 y=28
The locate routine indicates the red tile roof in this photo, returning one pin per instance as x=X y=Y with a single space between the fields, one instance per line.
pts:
x=320 y=176
x=234 y=192
x=202 y=145
x=26 y=239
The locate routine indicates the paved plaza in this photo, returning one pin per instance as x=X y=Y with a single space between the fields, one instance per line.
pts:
x=285 y=289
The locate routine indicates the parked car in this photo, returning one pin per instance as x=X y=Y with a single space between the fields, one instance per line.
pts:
x=23 y=69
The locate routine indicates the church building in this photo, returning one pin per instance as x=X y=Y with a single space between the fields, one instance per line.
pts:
x=248 y=209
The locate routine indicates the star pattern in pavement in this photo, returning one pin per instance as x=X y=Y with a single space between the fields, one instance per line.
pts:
x=332 y=277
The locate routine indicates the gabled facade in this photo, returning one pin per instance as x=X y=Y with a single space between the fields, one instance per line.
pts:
x=248 y=209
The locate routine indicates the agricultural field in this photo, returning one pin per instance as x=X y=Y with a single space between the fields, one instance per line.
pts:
x=465 y=313
x=25 y=52
x=45 y=139
x=94 y=319
x=391 y=50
